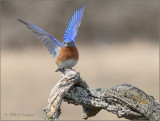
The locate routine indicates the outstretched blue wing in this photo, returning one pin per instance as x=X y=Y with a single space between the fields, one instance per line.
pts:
x=73 y=25
x=49 y=42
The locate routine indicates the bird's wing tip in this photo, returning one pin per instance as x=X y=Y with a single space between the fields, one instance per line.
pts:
x=82 y=6
x=21 y=21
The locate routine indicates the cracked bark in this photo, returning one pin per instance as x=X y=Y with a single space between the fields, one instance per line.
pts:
x=123 y=100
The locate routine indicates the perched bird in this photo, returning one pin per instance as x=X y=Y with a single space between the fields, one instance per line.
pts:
x=66 y=53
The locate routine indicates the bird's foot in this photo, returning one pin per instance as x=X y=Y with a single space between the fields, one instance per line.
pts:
x=61 y=70
x=72 y=69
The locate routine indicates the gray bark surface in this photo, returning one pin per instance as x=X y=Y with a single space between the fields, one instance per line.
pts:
x=123 y=100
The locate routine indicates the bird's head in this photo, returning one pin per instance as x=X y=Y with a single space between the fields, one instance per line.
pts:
x=68 y=43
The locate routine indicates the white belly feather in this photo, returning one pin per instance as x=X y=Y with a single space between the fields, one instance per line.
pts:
x=68 y=64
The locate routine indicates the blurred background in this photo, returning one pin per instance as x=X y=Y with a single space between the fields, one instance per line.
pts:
x=117 y=42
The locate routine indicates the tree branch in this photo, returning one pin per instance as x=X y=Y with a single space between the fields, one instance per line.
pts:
x=123 y=100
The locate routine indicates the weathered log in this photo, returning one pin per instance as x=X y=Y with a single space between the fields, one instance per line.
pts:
x=123 y=100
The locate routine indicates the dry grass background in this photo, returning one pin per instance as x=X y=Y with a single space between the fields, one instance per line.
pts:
x=28 y=76
x=117 y=42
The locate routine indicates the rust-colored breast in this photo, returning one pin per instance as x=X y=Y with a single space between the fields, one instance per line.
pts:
x=67 y=53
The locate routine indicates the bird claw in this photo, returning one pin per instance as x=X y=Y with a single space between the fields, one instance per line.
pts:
x=61 y=70
x=72 y=69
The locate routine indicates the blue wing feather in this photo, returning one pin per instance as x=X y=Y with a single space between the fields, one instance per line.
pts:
x=73 y=25
x=49 y=42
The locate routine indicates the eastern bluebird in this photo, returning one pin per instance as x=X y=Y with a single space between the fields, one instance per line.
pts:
x=66 y=53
